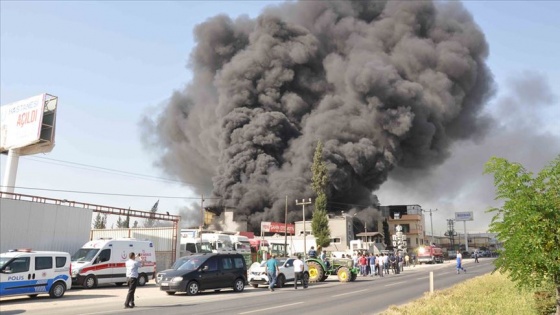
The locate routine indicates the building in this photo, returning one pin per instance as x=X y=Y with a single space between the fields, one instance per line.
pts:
x=411 y=219
x=341 y=227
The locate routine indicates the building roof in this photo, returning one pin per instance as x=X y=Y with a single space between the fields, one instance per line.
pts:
x=369 y=234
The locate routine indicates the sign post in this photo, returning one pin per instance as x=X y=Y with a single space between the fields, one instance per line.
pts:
x=464 y=216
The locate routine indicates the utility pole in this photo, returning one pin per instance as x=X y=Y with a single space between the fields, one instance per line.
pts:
x=431 y=224
x=202 y=218
x=286 y=228
x=303 y=203
x=451 y=232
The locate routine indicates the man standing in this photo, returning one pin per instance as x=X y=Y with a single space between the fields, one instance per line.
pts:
x=400 y=262
x=459 y=261
x=372 y=265
x=363 y=264
x=298 y=272
x=476 y=257
x=132 y=278
x=272 y=270
x=380 y=264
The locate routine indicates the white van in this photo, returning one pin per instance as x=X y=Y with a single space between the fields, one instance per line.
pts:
x=27 y=272
x=103 y=261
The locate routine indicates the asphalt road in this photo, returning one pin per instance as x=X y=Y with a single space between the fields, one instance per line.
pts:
x=366 y=295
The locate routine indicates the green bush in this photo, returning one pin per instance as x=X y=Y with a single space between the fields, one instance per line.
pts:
x=545 y=301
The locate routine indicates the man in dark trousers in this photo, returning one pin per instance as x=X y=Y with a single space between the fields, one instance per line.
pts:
x=132 y=277
x=298 y=272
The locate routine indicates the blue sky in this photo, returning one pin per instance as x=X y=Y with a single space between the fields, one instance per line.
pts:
x=110 y=63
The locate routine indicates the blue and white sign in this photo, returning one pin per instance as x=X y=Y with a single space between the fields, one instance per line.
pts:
x=463 y=216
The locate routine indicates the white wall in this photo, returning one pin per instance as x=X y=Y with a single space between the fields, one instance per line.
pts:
x=42 y=226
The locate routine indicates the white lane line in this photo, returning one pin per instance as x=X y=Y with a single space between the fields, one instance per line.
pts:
x=113 y=311
x=395 y=283
x=270 y=308
x=349 y=293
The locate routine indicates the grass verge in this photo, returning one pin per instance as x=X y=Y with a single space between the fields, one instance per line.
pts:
x=488 y=294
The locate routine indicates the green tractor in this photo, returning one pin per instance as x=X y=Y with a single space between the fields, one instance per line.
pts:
x=341 y=267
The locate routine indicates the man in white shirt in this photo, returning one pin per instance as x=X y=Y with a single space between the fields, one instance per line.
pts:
x=132 y=277
x=298 y=272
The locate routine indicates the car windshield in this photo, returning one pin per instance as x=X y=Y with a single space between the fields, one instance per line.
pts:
x=4 y=260
x=85 y=254
x=179 y=262
x=191 y=263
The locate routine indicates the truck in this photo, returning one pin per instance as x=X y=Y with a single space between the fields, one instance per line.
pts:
x=295 y=245
x=228 y=242
x=190 y=245
x=430 y=254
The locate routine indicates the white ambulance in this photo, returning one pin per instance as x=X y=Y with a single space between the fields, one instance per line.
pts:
x=103 y=261
x=28 y=272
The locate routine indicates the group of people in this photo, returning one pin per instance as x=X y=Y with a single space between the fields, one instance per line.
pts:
x=380 y=264
x=272 y=272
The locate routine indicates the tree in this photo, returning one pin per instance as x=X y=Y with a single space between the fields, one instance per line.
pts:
x=100 y=221
x=152 y=222
x=121 y=224
x=319 y=183
x=528 y=223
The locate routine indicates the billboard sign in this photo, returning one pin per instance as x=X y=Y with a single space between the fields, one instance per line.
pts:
x=463 y=216
x=20 y=122
x=277 y=227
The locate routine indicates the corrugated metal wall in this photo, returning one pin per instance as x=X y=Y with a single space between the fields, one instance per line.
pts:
x=162 y=237
x=42 y=226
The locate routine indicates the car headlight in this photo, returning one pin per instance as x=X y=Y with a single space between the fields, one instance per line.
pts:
x=177 y=279
x=75 y=272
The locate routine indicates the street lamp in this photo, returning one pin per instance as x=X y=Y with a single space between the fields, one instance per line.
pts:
x=302 y=203
x=431 y=224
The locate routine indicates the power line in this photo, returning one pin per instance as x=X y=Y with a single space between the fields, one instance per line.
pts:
x=102 y=169
x=109 y=194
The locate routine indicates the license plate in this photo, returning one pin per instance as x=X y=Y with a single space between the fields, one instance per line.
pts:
x=164 y=284
x=257 y=278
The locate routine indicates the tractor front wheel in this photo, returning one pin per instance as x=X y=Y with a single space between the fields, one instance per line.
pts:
x=343 y=274
x=315 y=272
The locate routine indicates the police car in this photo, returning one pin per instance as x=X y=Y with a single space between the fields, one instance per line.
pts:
x=28 y=272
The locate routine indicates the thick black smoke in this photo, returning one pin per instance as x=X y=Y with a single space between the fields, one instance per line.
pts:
x=381 y=84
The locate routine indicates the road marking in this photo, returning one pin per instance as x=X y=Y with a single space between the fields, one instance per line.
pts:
x=113 y=311
x=270 y=308
x=349 y=293
x=390 y=284
x=422 y=278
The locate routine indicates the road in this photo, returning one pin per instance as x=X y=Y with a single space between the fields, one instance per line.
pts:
x=366 y=295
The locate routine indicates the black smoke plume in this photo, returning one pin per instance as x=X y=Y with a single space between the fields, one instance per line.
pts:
x=382 y=84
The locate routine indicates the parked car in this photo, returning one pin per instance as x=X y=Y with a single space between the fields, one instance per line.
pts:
x=205 y=271
x=258 y=276
x=175 y=266
x=28 y=272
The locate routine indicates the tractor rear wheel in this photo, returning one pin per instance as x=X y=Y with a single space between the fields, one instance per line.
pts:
x=343 y=274
x=316 y=272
